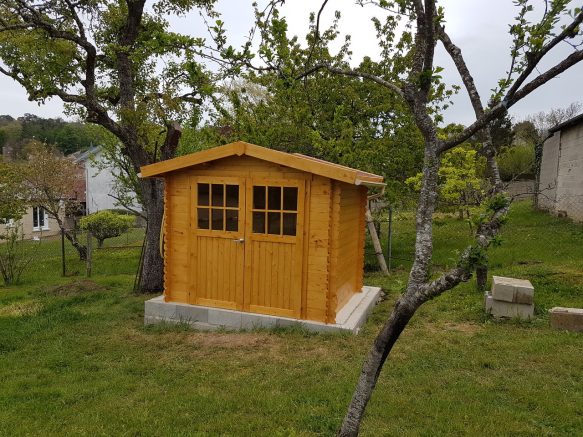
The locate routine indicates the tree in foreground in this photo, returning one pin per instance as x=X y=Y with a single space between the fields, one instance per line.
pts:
x=407 y=69
x=115 y=64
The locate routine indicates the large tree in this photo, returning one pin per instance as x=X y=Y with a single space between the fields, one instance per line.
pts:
x=408 y=38
x=115 y=64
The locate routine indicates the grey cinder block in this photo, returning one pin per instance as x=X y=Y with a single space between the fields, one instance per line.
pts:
x=503 y=309
x=512 y=290
x=569 y=319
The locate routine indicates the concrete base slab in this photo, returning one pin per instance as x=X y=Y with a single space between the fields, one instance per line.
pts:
x=350 y=318
x=509 y=310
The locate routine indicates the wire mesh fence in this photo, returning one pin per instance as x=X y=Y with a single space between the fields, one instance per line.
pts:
x=54 y=256
x=453 y=231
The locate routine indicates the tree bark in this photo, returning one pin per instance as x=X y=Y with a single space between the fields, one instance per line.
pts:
x=152 y=278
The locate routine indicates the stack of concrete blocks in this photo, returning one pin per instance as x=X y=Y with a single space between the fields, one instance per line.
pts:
x=510 y=298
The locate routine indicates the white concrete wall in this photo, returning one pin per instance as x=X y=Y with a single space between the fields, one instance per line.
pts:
x=548 y=172
x=569 y=198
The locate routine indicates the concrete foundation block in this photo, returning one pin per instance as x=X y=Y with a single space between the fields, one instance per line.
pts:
x=253 y=321
x=568 y=319
x=352 y=317
x=512 y=290
x=509 y=310
x=225 y=318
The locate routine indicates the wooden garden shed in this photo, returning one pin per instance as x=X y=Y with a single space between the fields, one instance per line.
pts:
x=256 y=230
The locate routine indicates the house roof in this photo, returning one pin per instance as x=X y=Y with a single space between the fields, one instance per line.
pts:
x=292 y=160
x=566 y=124
x=83 y=155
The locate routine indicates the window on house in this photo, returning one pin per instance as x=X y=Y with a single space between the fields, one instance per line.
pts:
x=40 y=219
x=275 y=210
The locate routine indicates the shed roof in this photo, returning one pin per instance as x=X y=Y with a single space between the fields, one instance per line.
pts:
x=292 y=160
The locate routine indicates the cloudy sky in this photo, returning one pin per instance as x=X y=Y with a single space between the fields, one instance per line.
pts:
x=478 y=27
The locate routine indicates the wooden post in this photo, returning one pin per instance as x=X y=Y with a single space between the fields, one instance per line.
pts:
x=390 y=238
x=63 y=251
x=89 y=253
x=375 y=241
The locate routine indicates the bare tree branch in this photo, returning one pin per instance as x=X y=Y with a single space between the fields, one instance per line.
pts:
x=354 y=73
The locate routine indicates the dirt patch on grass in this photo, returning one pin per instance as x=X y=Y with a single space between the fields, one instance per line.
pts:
x=74 y=288
x=230 y=340
x=466 y=328
x=20 y=309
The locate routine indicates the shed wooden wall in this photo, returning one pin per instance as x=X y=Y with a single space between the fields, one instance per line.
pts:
x=334 y=214
x=176 y=230
x=347 y=250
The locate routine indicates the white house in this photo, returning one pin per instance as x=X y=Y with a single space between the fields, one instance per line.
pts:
x=100 y=182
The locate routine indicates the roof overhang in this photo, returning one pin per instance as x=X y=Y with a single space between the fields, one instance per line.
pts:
x=292 y=160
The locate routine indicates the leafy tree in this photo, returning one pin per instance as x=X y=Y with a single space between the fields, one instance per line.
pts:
x=461 y=184
x=12 y=197
x=115 y=64
x=106 y=224
x=341 y=119
x=408 y=70
x=48 y=182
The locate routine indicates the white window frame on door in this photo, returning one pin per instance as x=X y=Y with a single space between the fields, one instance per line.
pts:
x=35 y=212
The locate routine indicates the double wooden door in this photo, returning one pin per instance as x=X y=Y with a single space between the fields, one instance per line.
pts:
x=247 y=236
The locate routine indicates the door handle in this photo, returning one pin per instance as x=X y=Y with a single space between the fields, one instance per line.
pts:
x=239 y=240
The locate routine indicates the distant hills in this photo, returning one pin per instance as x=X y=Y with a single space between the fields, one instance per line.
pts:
x=67 y=136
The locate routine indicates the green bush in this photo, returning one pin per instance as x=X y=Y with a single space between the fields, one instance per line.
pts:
x=516 y=161
x=106 y=224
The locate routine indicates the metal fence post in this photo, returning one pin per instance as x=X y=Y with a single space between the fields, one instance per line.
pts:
x=63 y=251
x=89 y=253
x=390 y=238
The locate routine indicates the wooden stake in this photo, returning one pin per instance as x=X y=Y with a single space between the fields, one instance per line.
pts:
x=375 y=241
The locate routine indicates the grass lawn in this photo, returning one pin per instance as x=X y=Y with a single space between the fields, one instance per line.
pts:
x=75 y=357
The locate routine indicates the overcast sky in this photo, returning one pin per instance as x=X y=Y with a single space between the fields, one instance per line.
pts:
x=478 y=27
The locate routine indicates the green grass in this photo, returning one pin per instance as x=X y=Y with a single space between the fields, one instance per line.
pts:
x=76 y=359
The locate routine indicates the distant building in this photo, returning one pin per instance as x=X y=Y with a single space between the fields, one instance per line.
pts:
x=35 y=224
x=99 y=192
x=561 y=171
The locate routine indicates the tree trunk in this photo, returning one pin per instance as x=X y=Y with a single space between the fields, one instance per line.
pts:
x=481 y=277
x=383 y=344
x=152 y=278
x=81 y=250
x=407 y=304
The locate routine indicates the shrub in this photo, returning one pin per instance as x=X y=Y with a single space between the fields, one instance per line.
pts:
x=106 y=224
x=516 y=161
x=14 y=258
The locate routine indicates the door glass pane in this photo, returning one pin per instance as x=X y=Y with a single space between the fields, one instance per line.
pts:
x=217 y=219
x=203 y=194
x=259 y=222
x=203 y=218
x=289 y=223
x=217 y=194
x=290 y=198
x=274 y=223
x=233 y=195
x=274 y=198
x=232 y=220
x=258 y=197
